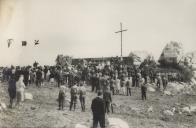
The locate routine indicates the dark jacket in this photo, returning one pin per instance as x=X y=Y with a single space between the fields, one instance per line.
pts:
x=38 y=75
x=12 y=88
x=97 y=107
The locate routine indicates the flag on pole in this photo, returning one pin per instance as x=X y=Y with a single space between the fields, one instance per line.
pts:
x=36 y=42
x=24 y=43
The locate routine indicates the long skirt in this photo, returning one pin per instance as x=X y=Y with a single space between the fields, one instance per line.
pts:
x=20 y=96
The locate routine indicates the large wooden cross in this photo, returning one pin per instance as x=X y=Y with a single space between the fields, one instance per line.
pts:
x=121 y=31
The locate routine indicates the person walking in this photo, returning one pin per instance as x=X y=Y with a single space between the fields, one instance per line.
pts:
x=98 y=111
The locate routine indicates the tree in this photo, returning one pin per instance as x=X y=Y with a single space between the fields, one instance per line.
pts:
x=133 y=57
x=149 y=61
x=63 y=61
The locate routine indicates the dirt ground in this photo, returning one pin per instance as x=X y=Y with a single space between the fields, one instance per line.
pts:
x=43 y=111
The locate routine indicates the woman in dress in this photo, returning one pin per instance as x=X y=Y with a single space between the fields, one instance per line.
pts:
x=20 y=86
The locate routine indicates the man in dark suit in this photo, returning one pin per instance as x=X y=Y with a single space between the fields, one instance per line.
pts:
x=98 y=110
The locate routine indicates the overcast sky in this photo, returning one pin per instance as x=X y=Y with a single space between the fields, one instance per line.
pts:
x=86 y=28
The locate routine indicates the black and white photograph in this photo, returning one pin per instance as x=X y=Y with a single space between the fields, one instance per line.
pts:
x=97 y=63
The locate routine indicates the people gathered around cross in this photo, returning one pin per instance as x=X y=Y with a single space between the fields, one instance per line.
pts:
x=75 y=80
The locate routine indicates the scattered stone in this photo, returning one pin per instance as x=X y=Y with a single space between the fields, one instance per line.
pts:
x=186 y=110
x=193 y=108
x=193 y=81
x=135 y=109
x=117 y=123
x=3 y=106
x=168 y=113
x=176 y=87
x=151 y=89
x=28 y=96
x=150 y=109
x=173 y=109
x=167 y=93
x=80 y=126
x=33 y=108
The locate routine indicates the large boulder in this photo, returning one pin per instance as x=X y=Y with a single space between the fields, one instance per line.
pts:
x=150 y=109
x=175 y=87
x=151 y=89
x=172 y=53
x=117 y=123
x=28 y=96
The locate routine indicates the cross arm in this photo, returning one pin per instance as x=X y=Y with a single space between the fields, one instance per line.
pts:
x=121 y=31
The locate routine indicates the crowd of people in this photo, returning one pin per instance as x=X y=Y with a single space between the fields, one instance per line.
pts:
x=106 y=81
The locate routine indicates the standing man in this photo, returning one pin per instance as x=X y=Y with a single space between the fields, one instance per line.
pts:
x=38 y=77
x=143 y=89
x=98 y=110
x=26 y=76
x=128 y=85
x=82 y=93
x=112 y=84
x=165 y=82
x=117 y=86
x=12 y=89
x=97 y=84
x=92 y=78
x=159 y=81
x=61 y=97
x=123 y=86
x=107 y=97
x=74 y=91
